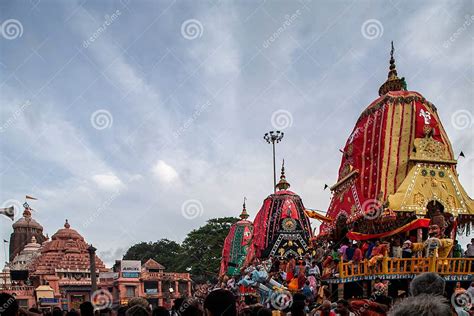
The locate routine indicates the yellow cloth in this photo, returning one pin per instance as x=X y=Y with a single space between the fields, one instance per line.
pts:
x=445 y=246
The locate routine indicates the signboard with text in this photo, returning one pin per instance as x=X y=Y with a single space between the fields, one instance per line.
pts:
x=130 y=268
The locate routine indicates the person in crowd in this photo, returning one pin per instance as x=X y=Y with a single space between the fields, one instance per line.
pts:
x=380 y=250
x=122 y=310
x=141 y=302
x=457 y=250
x=87 y=309
x=396 y=249
x=470 y=290
x=137 y=310
x=220 y=303
x=290 y=269
x=308 y=292
x=342 y=251
x=314 y=269
x=350 y=252
x=470 y=249
x=160 y=311
x=406 y=249
x=422 y=305
x=323 y=293
x=298 y=305
x=72 y=312
x=369 y=247
x=324 y=309
x=427 y=283
x=57 y=311
x=358 y=256
x=343 y=308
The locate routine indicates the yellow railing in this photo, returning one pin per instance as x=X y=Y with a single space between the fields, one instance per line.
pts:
x=443 y=266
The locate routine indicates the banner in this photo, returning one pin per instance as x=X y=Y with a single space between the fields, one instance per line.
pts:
x=417 y=223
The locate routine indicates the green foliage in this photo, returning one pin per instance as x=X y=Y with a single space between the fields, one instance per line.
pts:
x=200 y=251
x=163 y=251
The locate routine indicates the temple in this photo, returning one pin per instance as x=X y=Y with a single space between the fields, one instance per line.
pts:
x=281 y=227
x=46 y=273
x=236 y=245
x=397 y=184
x=397 y=159
x=23 y=230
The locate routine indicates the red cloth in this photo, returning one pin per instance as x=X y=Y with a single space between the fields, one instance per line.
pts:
x=226 y=251
x=377 y=141
x=417 y=223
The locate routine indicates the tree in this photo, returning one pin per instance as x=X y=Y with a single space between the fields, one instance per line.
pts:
x=202 y=248
x=164 y=251
x=200 y=253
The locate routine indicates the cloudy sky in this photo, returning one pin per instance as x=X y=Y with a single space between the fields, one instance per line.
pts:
x=140 y=120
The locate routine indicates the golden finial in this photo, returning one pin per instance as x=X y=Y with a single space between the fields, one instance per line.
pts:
x=393 y=83
x=283 y=184
x=244 y=214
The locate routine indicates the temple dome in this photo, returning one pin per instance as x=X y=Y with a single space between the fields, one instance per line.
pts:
x=67 y=249
x=67 y=233
x=23 y=229
x=26 y=257
x=27 y=221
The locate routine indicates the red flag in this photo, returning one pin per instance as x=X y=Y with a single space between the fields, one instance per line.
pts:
x=30 y=198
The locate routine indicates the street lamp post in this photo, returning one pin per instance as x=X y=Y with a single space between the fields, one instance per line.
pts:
x=273 y=137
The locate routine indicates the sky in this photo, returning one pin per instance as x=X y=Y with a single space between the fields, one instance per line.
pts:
x=140 y=120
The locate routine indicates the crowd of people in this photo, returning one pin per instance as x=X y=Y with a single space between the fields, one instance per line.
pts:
x=427 y=297
x=296 y=286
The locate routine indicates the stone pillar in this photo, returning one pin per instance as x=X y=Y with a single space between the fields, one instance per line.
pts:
x=189 y=288
x=92 y=250
x=176 y=288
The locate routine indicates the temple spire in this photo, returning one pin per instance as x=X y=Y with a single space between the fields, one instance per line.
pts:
x=393 y=83
x=283 y=184
x=244 y=214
